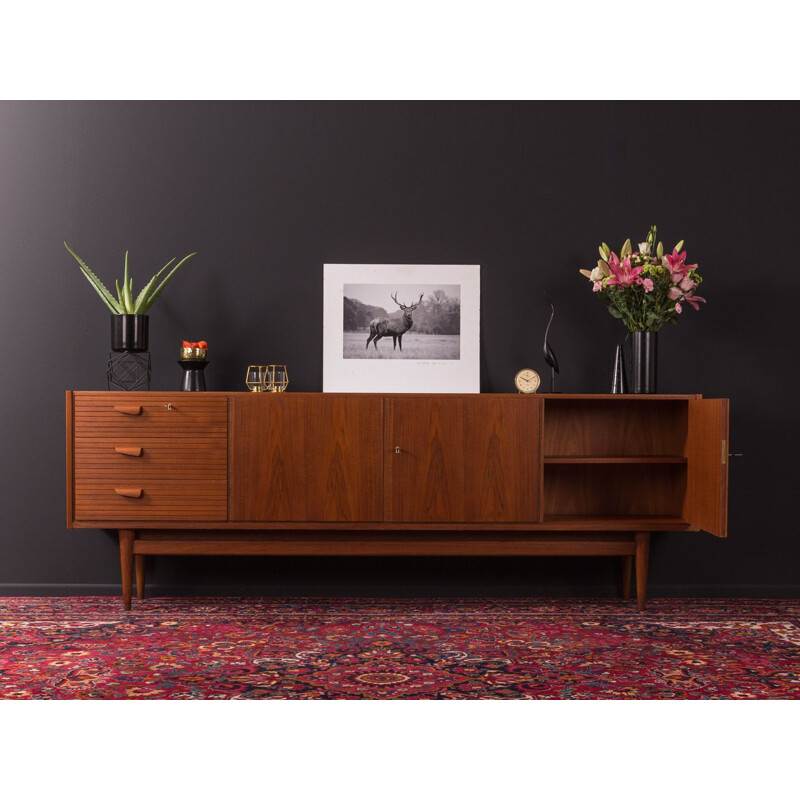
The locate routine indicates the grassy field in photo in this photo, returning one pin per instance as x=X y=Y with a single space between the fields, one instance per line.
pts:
x=415 y=346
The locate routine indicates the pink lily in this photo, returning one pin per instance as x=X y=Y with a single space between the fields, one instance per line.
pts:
x=676 y=264
x=694 y=300
x=622 y=273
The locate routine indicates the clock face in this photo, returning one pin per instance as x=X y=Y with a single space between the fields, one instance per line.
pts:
x=527 y=381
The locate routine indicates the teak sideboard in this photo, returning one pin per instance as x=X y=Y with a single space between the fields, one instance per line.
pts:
x=227 y=473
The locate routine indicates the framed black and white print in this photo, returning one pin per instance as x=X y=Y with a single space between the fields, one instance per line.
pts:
x=401 y=328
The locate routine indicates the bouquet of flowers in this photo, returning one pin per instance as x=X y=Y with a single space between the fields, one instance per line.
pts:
x=646 y=289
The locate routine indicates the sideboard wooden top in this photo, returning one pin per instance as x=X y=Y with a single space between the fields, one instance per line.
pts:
x=538 y=395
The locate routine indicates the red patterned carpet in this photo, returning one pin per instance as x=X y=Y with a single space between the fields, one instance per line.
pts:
x=189 y=648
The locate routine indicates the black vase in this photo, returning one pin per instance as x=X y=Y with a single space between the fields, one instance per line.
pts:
x=644 y=358
x=129 y=332
x=193 y=378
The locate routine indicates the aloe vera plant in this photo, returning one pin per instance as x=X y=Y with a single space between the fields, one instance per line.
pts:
x=124 y=302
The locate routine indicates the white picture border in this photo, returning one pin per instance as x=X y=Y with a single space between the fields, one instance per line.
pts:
x=460 y=375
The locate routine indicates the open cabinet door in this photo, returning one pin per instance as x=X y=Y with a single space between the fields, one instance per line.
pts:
x=706 y=504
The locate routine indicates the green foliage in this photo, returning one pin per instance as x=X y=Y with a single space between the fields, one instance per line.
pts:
x=640 y=310
x=124 y=302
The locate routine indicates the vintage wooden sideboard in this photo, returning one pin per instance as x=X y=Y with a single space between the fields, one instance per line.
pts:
x=357 y=474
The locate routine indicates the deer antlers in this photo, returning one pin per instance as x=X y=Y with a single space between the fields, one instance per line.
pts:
x=407 y=308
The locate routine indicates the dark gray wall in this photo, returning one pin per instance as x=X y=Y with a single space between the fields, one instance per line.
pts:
x=268 y=192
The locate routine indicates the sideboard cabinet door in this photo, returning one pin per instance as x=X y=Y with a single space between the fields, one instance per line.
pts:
x=462 y=459
x=344 y=474
x=707 y=446
x=267 y=478
x=304 y=458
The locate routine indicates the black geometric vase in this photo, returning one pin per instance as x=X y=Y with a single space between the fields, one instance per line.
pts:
x=644 y=362
x=129 y=332
x=128 y=372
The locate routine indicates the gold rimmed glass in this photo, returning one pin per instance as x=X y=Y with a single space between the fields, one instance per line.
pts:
x=268 y=384
x=254 y=379
x=280 y=378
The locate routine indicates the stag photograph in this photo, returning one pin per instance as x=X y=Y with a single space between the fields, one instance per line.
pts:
x=401 y=321
x=401 y=328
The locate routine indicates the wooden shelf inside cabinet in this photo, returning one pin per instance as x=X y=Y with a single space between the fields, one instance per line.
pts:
x=606 y=522
x=614 y=459
x=586 y=488
x=610 y=428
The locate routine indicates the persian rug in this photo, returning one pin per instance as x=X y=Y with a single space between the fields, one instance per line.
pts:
x=231 y=648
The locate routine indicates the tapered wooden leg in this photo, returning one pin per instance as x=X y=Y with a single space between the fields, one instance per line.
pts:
x=627 y=571
x=642 y=555
x=126 y=563
x=140 y=573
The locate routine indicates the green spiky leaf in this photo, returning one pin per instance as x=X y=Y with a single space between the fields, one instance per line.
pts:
x=143 y=296
x=167 y=279
x=96 y=283
x=126 y=289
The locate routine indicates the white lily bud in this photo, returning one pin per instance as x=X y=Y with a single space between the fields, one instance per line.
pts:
x=644 y=248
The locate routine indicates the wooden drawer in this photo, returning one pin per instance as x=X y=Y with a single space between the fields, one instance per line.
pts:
x=152 y=414
x=150 y=499
x=128 y=458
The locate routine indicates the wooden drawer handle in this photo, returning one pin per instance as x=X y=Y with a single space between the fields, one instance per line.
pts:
x=133 y=410
x=129 y=492
x=128 y=451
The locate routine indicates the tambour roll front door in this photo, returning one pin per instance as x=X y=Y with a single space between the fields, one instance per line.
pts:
x=149 y=456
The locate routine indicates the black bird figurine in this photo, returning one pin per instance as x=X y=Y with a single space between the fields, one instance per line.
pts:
x=549 y=355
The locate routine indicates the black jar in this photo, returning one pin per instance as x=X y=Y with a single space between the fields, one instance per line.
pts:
x=129 y=332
